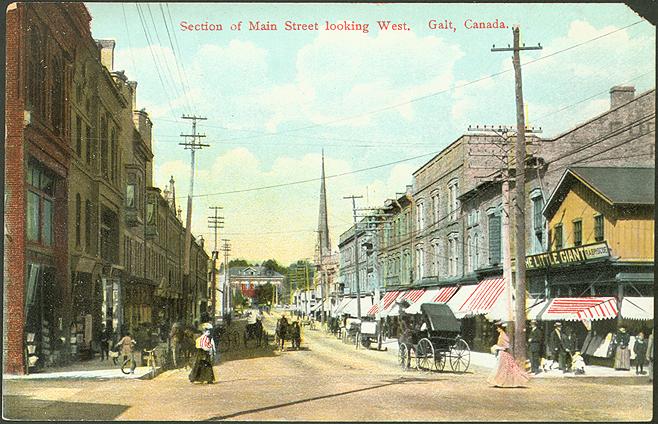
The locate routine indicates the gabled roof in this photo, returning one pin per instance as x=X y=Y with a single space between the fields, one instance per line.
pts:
x=257 y=270
x=615 y=185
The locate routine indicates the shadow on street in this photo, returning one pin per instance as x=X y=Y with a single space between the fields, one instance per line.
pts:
x=17 y=407
x=386 y=383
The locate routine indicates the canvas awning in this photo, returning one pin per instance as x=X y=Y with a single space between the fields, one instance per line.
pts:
x=385 y=304
x=339 y=308
x=434 y=295
x=579 y=308
x=485 y=298
x=534 y=307
x=637 y=308
x=411 y=296
x=351 y=307
x=458 y=299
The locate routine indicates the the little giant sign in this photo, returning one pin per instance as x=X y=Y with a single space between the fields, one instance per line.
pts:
x=569 y=255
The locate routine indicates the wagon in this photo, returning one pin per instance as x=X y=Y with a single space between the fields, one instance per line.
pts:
x=370 y=332
x=439 y=342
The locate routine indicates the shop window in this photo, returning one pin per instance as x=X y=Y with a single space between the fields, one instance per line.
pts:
x=577 y=233
x=39 y=204
x=558 y=237
x=598 y=228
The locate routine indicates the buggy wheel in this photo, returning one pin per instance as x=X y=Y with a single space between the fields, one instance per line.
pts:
x=439 y=361
x=403 y=356
x=460 y=356
x=424 y=355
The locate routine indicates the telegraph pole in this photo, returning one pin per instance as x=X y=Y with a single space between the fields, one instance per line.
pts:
x=214 y=223
x=356 y=256
x=226 y=293
x=193 y=146
x=519 y=327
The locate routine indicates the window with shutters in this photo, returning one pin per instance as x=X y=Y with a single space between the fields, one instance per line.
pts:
x=577 y=232
x=598 y=228
x=495 y=245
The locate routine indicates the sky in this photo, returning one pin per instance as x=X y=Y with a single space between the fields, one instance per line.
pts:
x=382 y=99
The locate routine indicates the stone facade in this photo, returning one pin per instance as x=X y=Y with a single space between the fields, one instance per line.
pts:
x=396 y=241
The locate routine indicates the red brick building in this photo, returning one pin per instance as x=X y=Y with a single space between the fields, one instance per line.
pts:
x=40 y=44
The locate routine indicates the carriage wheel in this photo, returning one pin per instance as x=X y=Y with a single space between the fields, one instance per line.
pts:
x=403 y=356
x=424 y=355
x=439 y=361
x=460 y=356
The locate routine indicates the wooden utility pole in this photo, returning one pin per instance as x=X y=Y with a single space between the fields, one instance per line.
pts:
x=356 y=256
x=193 y=146
x=226 y=290
x=214 y=223
x=519 y=204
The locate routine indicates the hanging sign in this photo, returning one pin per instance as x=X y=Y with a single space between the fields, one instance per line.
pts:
x=569 y=255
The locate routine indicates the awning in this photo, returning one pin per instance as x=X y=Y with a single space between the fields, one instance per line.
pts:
x=427 y=297
x=318 y=306
x=579 y=308
x=484 y=299
x=411 y=296
x=351 y=307
x=459 y=298
x=339 y=308
x=534 y=307
x=637 y=308
x=385 y=304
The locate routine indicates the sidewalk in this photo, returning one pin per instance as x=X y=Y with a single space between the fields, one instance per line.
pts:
x=94 y=369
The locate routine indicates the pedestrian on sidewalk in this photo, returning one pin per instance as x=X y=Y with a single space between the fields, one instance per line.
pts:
x=534 y=346
x=623 y=353
x=126 y=344
x=556 y=342
x=507 y=372
x=205 y=350
x=640 y=349
x=105 y=344
x=570 y=346
x=650 y=355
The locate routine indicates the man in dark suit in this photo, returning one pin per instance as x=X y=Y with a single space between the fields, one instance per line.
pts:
x=556 y=342
x=534 y=346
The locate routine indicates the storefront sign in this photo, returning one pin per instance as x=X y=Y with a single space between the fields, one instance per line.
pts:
x=568 y=256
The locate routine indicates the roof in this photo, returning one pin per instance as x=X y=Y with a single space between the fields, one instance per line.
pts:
x=255 y=271
x=615 y=185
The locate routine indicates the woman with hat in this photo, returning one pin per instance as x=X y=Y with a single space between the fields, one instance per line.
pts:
x=507 y=373
x=205 y=350
x=622 y=353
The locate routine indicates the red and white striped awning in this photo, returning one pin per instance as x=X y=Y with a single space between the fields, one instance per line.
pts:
x=434 y=295
x=580 y=308
x=387 y=301
x=412 y=296
x=484 y=297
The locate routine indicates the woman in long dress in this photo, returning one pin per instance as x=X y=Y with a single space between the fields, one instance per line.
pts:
x=205 y=350
x=622 y=352
x=507 y=372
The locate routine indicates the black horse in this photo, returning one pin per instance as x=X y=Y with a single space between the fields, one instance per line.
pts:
x=254 y=332
x=282 y=331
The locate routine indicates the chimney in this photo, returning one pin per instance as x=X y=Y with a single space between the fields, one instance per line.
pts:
x=620 y=94
x=107 y=53
x=133 y=93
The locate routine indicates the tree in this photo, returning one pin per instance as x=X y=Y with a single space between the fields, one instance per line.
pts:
x=264 y=294
x=240 y=300
x=273 y=265
x=237 y=262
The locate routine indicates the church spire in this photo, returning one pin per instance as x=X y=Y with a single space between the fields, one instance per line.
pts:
x=324 y=244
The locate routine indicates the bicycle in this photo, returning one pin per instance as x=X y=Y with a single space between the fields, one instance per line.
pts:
x=151 y=359
x=130 y=359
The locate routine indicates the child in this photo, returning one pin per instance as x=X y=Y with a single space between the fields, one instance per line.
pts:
x=640 y=350
x=578 y=363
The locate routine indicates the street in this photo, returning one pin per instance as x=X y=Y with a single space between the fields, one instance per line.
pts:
x=326 y=380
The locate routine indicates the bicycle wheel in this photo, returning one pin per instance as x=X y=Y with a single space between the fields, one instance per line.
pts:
x=126 y=366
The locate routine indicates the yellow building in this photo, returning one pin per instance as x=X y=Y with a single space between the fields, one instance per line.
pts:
x=599 y=267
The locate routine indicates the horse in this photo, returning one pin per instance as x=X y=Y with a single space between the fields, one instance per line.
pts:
x=253 y=332
x=282 y=331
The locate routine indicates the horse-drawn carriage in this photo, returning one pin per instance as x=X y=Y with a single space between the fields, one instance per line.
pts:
x=254 y=334
x=370 y=332
x=437 y=341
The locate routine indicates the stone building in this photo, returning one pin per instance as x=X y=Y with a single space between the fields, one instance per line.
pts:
x=396 y=241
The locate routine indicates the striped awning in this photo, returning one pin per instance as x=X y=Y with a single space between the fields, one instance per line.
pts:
x=434 y=295
x=483 y=298
x=459 y=298
x=385 y=303
x=411 y=296
x=579 y=308
x=637 y=308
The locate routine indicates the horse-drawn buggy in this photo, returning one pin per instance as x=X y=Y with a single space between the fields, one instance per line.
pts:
x=436 y=342
x=254 y=334
x=350 y=331
x=370 y=332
